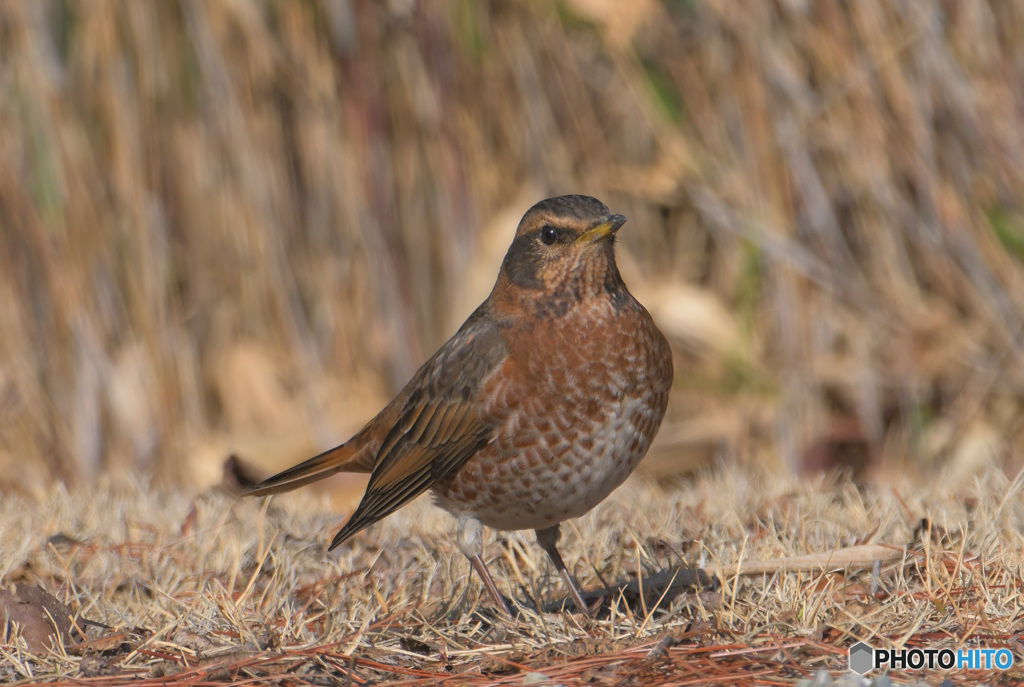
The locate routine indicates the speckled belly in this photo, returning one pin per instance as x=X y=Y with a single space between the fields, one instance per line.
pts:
x=553 y=475
x=570 y=430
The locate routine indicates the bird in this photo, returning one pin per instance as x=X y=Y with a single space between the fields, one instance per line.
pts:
x=540 y=405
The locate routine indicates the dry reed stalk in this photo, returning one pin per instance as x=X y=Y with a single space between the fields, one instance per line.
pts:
x=222 y=224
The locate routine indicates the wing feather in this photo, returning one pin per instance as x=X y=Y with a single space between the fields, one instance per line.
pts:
x=440 y=425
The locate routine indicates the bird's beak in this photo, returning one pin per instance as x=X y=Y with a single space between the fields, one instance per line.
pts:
x=603 y=229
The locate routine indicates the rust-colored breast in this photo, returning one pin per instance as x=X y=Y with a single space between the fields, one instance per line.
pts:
x=576 y=405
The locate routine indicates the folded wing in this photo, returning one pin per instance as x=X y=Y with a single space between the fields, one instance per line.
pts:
x=439 y=427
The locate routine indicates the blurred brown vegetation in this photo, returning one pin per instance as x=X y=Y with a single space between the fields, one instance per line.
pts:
x=240 y=226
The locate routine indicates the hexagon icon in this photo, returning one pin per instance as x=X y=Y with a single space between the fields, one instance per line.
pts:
x=861 y=658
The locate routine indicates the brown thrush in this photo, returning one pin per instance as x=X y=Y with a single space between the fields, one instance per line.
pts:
x=542 y=403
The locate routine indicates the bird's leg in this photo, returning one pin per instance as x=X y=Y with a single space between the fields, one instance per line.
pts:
x=548 y=540
x=471 y=544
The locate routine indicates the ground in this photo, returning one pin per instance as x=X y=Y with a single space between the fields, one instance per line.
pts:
x=212 y=588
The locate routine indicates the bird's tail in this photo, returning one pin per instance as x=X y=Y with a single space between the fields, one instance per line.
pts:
x=345 y=458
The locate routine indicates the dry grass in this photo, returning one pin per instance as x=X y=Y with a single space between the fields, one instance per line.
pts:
x=214 y=589
x=237 y=226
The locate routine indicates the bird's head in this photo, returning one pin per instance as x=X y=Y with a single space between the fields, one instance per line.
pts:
x=564 y=246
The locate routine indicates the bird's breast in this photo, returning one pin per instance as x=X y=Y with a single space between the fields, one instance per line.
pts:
x=575 y=407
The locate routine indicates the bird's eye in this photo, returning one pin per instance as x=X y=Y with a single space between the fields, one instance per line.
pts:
x=548 y=235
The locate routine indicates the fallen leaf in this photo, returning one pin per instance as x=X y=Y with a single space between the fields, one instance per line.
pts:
x=41 y=619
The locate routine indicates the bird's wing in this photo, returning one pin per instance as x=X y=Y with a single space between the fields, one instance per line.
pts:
x=439 y=426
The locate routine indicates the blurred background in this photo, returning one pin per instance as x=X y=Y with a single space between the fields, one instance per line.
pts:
x=239 y=227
